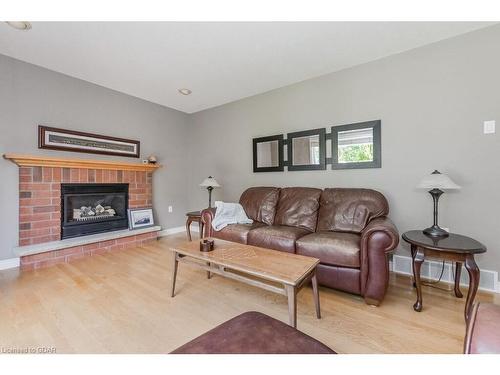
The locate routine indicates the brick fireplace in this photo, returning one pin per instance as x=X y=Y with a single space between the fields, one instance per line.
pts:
x=40 y=181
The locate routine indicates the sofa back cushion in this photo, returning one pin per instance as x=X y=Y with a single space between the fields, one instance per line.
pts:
x=298 y=207
x=260 y=203
x=350 y=210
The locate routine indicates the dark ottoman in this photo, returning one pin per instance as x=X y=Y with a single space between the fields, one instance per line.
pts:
x=254 y=333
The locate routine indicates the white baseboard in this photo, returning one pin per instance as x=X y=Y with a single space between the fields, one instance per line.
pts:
x=432 y=269
x=6 y=264
x=169 y=231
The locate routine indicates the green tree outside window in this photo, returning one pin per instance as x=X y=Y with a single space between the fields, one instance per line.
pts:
x=356 y=153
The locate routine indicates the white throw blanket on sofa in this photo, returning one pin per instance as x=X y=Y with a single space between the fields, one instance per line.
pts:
x=229 y=213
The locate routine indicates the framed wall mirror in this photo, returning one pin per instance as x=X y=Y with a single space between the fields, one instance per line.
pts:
x=356 y=146
x=268 y=154
x=307 y=150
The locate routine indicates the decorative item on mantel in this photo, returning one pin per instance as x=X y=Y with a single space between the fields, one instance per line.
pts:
x=436 y=181
x=210 y=183
x=150 y=160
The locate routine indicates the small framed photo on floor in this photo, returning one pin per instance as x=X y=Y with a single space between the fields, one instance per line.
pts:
x=140 y=218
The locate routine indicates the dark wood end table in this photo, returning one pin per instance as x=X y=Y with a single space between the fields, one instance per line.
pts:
x=193 y=216
x=456 y=248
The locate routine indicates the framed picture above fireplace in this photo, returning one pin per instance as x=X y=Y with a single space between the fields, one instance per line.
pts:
x=71 y=140
x=140 y=218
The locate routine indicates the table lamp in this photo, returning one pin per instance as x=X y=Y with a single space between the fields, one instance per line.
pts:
x=436 y=181
x=210 y=183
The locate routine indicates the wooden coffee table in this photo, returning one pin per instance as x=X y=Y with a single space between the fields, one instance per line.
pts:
x=272 y=270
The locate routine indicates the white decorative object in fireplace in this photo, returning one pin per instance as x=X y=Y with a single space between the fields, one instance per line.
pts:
x=89 y=208
x=92 y=213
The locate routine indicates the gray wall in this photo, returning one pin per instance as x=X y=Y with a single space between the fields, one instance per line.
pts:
x=30 y=95
x=432 y=102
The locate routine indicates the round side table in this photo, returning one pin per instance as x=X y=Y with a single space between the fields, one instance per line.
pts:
x=456 y=248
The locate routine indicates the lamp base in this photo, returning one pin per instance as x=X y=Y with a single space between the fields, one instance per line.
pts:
x=210 y=188
x=435 y=231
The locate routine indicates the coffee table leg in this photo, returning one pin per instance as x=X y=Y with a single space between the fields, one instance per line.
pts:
x=209 y=274
x=417 y=263
x=473 y=270
x=314 y=282
x=458 y=272
x=291 y=293
x=174 y=275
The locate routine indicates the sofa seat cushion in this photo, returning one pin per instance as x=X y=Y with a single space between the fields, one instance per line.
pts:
x=333 y=248
x=277 y=237
x=236 y=232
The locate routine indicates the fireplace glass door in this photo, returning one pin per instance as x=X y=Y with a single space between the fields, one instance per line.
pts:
x=93 y=208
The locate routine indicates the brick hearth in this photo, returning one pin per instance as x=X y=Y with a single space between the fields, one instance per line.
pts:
x=49 y=258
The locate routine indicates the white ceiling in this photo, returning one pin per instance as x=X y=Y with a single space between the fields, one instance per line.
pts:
x=219 y=62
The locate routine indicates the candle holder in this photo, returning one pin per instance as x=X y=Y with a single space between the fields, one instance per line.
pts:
x=207 y=245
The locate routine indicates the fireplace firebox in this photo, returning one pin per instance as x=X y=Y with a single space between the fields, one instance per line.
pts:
x=93 y=208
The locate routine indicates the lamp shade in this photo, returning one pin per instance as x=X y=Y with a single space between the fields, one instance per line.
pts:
x=437 y=180
x=210 y=182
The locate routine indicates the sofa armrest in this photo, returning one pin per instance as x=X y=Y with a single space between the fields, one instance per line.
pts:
x=207 y=216
x=383 y=225
x=378 y=239
x=483 y=330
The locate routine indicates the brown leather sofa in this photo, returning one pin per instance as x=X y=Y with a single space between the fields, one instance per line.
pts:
x=346 y=229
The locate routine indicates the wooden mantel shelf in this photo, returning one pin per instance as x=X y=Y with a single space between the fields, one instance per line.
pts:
x=44 y=161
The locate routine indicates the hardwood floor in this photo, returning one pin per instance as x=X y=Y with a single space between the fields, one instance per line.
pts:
x=120 y=303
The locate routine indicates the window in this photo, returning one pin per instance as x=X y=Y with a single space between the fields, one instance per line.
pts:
x=356 y=146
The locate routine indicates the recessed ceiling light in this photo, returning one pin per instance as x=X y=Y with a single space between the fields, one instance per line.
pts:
x=19 y=25
x=185 y=91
